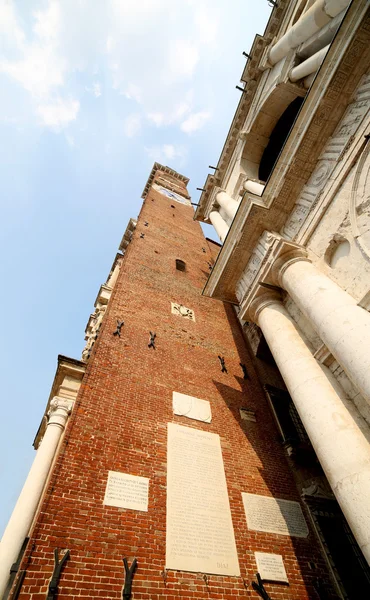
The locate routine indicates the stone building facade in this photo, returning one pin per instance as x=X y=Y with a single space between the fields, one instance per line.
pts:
x=217 y=425
x=289 y=200
x=160 y=445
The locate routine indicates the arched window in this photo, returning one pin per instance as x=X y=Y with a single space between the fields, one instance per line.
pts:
x=277 y=139
x=180 y=265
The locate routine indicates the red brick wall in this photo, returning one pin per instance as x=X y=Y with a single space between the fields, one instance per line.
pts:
x=120 y=423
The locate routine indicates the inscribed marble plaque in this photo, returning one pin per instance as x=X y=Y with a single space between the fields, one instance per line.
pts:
x=127 y=491
x=200 y=534
x=193 y=408
x=274 y=515
x=271 y=567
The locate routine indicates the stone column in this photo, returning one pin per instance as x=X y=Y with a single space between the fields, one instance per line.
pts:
x=228 y=203
x=314 y=19
x=24 y=511
x=336 y=430
x=343 y=326
x=308 y=66
x=219 y=224
x=254 y=187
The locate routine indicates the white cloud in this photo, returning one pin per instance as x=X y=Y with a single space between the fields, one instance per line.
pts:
x=195 y=121
x=207 y=23
x=177 y=113
x=183 y=58
x=157 y=118
x=96 y=89
x=134 y=92
x=167 y=152
x=9 y=26
x=38 y=71
x=47 y=22
x=132 y=125
x=58 y=114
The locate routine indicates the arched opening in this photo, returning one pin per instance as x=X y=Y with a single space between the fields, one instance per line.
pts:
x=338 y=249
x=277 y=139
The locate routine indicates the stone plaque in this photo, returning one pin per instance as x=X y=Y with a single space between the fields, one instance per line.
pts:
x=200 y=534
x=127 y=491
x=274 y=515
x=193 y=408
x=271 y=567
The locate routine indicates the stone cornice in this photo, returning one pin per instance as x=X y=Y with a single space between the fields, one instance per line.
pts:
x=163 y=169
x=250 y=75
x=67 y=367
x=324 y=106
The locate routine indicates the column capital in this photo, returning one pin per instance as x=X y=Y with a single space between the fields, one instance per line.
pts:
x=270 y=258
x=59 y=411
x=260 y=301
x=288 y=254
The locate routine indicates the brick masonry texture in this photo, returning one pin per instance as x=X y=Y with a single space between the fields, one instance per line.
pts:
x=120 y=421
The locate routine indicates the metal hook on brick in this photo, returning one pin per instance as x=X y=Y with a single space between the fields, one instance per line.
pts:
x=119 y=327
x=58 y=566
x=129 y=574
x=222 y=363
x=260 y=588
x=152 y=340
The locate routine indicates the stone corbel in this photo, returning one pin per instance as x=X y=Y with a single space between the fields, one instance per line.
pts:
x=264 y=63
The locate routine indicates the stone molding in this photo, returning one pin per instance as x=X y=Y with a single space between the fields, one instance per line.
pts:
x=262 y=277
x=261 y=300
x=60 y=403
x=66 y=384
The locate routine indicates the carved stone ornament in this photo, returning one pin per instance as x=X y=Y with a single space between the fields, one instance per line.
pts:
x=59 y=403
x=336 y=148
x=182 y=311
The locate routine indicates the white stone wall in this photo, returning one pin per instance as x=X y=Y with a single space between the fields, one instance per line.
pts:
x=351 y=271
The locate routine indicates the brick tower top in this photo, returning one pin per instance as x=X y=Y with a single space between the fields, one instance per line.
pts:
x=167 y=177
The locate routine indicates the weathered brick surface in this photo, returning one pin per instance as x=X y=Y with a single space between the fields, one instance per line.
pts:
x=120 y=423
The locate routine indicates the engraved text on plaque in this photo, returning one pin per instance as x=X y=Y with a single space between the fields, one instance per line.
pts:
x=200 y=535
x=127 y=491
x=274 y=515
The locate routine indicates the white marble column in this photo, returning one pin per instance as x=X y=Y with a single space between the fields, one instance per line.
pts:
x=343 y=326
x=308 y=66
x=24 y=511
x=314 y=19
x=254 y=187
x=219 y=224
x=334 y=426
x=228 y=203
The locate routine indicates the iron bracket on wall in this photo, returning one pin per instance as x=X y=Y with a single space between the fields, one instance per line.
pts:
x=58 y=566
x=120 y=324
x=152 y=340
x=129 y=573
x=13 y=573
x=222 y=363
x=260 y=588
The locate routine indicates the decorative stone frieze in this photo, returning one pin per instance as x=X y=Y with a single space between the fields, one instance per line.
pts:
x=332 y=154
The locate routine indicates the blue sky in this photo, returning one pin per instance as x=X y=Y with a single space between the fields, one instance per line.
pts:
x=92 y=93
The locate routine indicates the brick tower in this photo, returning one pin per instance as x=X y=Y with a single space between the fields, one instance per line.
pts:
x=170 y=454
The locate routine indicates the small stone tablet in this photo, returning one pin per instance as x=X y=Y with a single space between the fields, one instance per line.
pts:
x=271 y=567
x=127 y=491
x=191 y=407
x=274 y=515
